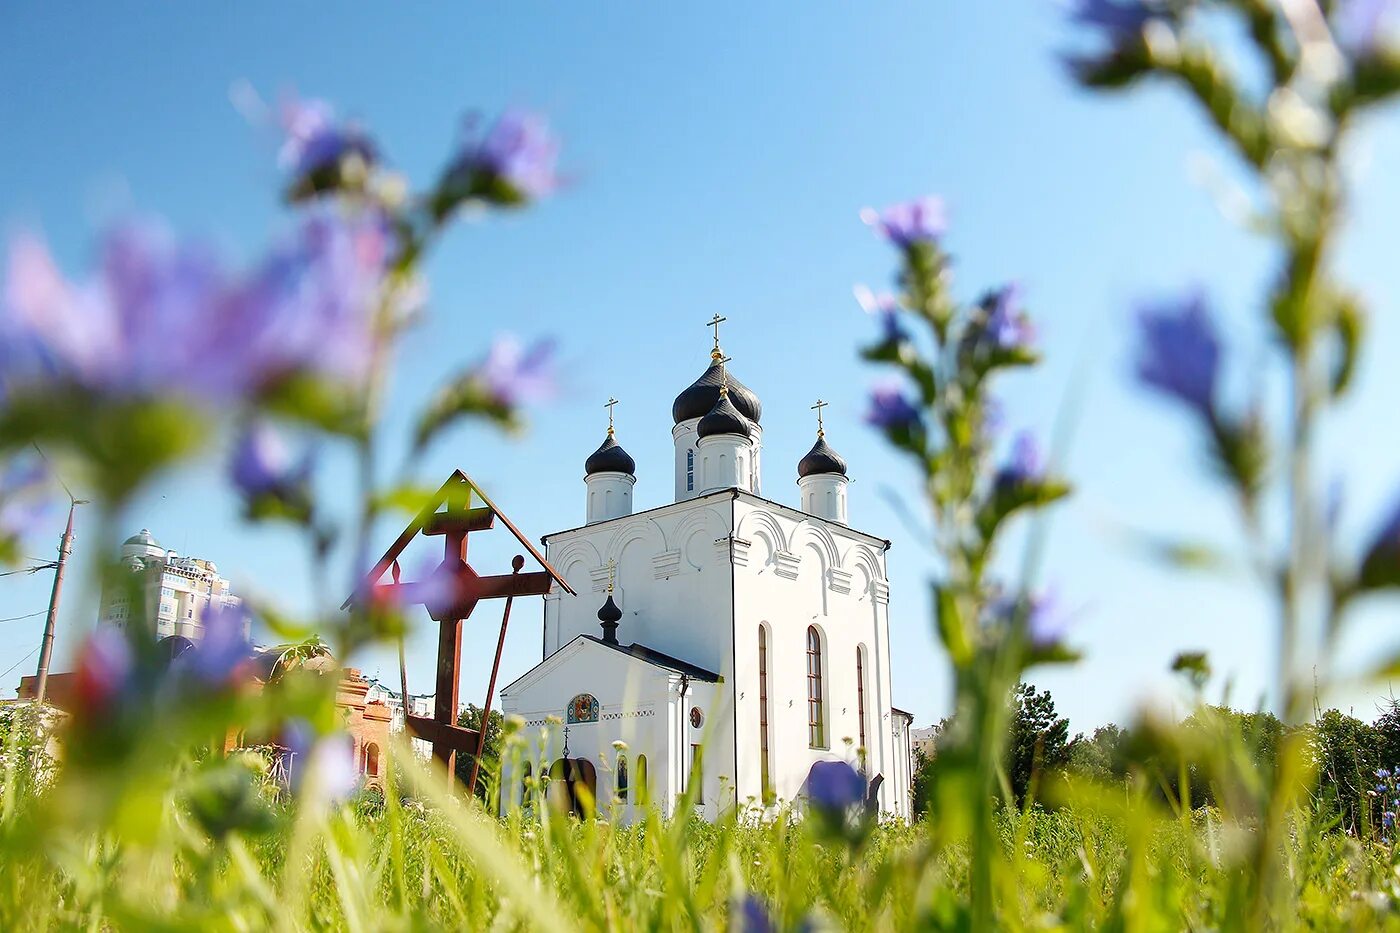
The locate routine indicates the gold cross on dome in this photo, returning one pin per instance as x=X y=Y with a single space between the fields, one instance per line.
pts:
x=612 y=574
x=611 y=404
x=818 y=409
x=715 y=322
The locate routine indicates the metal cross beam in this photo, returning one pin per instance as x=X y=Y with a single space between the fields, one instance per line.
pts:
x=450 y=594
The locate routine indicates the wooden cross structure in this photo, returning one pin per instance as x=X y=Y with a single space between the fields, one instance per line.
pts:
x=450 y=593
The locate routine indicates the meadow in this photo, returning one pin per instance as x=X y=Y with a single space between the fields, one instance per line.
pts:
x=124 y=813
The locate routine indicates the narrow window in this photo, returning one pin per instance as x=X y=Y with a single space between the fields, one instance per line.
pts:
x=621 y=777
x=860 y=702
x=371 y=761
x=697 y=768
x=763 y=710
x=690 y=470
x=816 y=723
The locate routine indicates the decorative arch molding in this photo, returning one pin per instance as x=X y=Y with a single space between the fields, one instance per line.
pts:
x=575 y=550
x=704 y=522
x=808 y=532
x=762 y=524
x=642 y=530
x=863 y=556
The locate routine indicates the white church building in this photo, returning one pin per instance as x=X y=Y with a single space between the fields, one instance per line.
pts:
x=723 y=637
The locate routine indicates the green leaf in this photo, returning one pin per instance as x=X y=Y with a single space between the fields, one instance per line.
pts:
x=336 y=409
x=1348 y=327
x=465 y=396
x=951 y=629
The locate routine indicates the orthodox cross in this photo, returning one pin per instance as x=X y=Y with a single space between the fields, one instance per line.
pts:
x=715 y=322
x=450 y=594
x=612 y=573
x=612 y=403
x=818 y=409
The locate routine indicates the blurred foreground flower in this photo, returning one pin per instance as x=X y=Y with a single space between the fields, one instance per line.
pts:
x=222 y=658
x=1179 y=355
x=1116 y=19
x=509 y=163
x=162 y=317
x=508 y=376
x=269 y=479
x=1026 y=465
x=105 y=671
x=320 y=152
x=25 y=497
x=921 y=221
x=1381 y=565
x=891 y=409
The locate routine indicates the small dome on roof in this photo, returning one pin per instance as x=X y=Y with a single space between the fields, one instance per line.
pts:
x=143 y=539
x=821 y=459
x=702 y=395
x=610 y=458
x=724 y=418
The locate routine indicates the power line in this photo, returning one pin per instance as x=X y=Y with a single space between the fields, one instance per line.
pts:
x=48 y=566
x=30 y=616
x=19 y=662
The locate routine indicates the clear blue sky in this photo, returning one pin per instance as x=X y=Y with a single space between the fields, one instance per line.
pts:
x=720 y=155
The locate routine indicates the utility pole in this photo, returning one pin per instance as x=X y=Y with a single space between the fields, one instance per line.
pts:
x=65 y=547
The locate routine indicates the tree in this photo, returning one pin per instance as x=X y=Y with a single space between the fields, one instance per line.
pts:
x=1348 y=753
x=1102 y=757
x=1039 y=741
x=923 y=783
x=490 y=771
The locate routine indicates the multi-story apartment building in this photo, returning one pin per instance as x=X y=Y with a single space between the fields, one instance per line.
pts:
x=173 y=593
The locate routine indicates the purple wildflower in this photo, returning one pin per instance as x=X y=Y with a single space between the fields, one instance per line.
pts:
x=886 y=308
x=1117 y=19
x=322 y=767
x=104 y=671
x=518 y=149
x=263 y=466
x=223 y=654
x=890 y=409
x=316 y=141
x=1027 y=464
x=514 y=374
x=1382 y=772
x=834 y=786
x=163 y=318
x=24 y=500
x=1045 y=621
x=754 y=917
x=1180 y=353
x=922 y=220
x=1007 y=328
x=1359 y=24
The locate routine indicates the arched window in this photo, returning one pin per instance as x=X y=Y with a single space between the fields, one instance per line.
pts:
x=690 y=470
x=371 y=761
x=767 y=784
x=816 y=718
x=621 y=777
x=862 y=749
x=643 y=792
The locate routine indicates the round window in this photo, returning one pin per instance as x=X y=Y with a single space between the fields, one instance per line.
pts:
x=697 y=718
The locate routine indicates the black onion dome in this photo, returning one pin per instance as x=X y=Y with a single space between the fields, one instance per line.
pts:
x=610 y=458
x=610 y=613
x=703 y=394
x=821 y=459
x=724 y=418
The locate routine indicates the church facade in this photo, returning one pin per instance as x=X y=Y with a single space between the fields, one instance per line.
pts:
x=722 y=638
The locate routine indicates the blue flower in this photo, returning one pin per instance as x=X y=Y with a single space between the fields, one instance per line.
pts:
x=1382 y=772
x=316 y=141
x=1117 y=20
x=1007 y=326
x=1180 y=354
x=754 y=917
x=1026 y=465
x=513 y=374
x=1046 y=623
x=263 y=468
x=886 y=308
x=891 y=409
x=221 y=657
x=518 y=149
x=1359 y=23
x=923 y=220
x=1381 y=565
x=834 y=787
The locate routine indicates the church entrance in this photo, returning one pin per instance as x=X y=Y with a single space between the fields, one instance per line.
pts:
x=573 y=786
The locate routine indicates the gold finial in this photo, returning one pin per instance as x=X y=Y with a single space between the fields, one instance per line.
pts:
x=716 y=354
x=612 y=403
x=721 y=359
x=818 y=409
x=612 y=573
